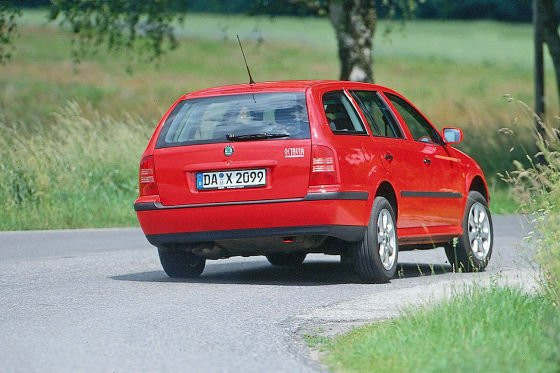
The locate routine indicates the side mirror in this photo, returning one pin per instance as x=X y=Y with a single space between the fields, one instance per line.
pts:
x=452 y=135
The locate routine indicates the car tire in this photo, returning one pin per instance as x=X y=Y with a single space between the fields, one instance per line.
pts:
x=472 y=250
x=374 y=258
x=286 y=259
x=181 y=263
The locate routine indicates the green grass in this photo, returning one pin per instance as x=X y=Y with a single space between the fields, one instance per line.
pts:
x=454 y=71
x=495 y=330
x=502 y=201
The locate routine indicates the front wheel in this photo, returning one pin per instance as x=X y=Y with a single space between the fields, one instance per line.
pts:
x=180 y=263
x=375 y=256
x=472 y=250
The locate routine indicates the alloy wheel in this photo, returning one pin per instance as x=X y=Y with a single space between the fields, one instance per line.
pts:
x=480 y=237
x=386 y=239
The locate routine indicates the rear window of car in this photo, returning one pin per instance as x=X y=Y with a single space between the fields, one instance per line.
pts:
x=212 y=119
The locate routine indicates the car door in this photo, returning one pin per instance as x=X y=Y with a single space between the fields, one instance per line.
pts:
x=390 y=144
x=442 y=186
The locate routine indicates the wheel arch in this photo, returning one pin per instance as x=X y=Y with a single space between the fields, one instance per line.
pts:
x=386 y=190
x=478 y=184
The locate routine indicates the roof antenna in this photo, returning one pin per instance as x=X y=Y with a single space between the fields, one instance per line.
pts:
x=251 y=81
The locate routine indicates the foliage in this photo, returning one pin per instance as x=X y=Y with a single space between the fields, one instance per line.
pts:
x=503 y=10
x=145 y=26
x=148 y=26
x=388 y=8
x=8 y=17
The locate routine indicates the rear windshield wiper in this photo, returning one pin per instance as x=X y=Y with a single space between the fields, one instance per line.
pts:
x=255 y=136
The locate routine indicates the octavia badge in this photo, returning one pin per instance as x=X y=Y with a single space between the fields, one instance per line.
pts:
x=228 y=150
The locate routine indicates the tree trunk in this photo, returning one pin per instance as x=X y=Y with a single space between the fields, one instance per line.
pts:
x=354 y=23
x=550 y=36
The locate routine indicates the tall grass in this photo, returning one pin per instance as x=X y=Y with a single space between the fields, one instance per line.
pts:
x=72 y=172
x=537 y=188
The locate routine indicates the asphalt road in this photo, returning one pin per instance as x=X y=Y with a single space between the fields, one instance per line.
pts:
x=98 y=300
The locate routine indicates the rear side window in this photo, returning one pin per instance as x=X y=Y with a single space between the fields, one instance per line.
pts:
x=378 y=115
x=210 y=119
x=420 y=129
x=342 y=117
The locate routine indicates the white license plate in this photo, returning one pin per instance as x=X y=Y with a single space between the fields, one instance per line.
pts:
x=231 y=179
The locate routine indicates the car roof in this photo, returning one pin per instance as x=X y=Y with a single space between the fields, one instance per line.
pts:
x=279 y=86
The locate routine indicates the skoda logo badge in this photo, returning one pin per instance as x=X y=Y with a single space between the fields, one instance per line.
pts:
x=228 y=150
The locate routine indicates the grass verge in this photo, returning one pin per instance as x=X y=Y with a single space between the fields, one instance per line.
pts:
x=495 y=330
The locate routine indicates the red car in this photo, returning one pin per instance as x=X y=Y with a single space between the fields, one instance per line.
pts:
x=283 y=169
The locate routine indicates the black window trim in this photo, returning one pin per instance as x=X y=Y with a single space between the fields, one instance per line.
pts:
x=345 y=133
x=401 y=135
x=439 y=143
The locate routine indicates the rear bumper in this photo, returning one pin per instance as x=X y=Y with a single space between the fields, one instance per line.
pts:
x=343 y=215
x=345 y=232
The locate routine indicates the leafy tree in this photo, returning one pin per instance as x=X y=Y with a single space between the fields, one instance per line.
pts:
x=143 y=26
x=148 y=26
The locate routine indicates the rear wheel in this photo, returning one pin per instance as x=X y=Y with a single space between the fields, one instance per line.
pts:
x=472 y=251
x=180 y=263
x=375 y=257
x=286 y=259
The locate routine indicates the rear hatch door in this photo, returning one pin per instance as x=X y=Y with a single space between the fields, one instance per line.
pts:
x=234 y=148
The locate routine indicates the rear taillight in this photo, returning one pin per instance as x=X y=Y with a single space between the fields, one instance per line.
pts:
x=147 y=177
x=323 y=166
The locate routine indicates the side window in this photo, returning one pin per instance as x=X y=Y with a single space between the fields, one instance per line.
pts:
x=420 y=129
x=342 y=117
x=378 y=115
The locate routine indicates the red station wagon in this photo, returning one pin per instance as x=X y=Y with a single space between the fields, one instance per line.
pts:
x=284 y=169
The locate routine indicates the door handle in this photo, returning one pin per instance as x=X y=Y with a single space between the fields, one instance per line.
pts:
x=389 y=157
x=427 y=161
